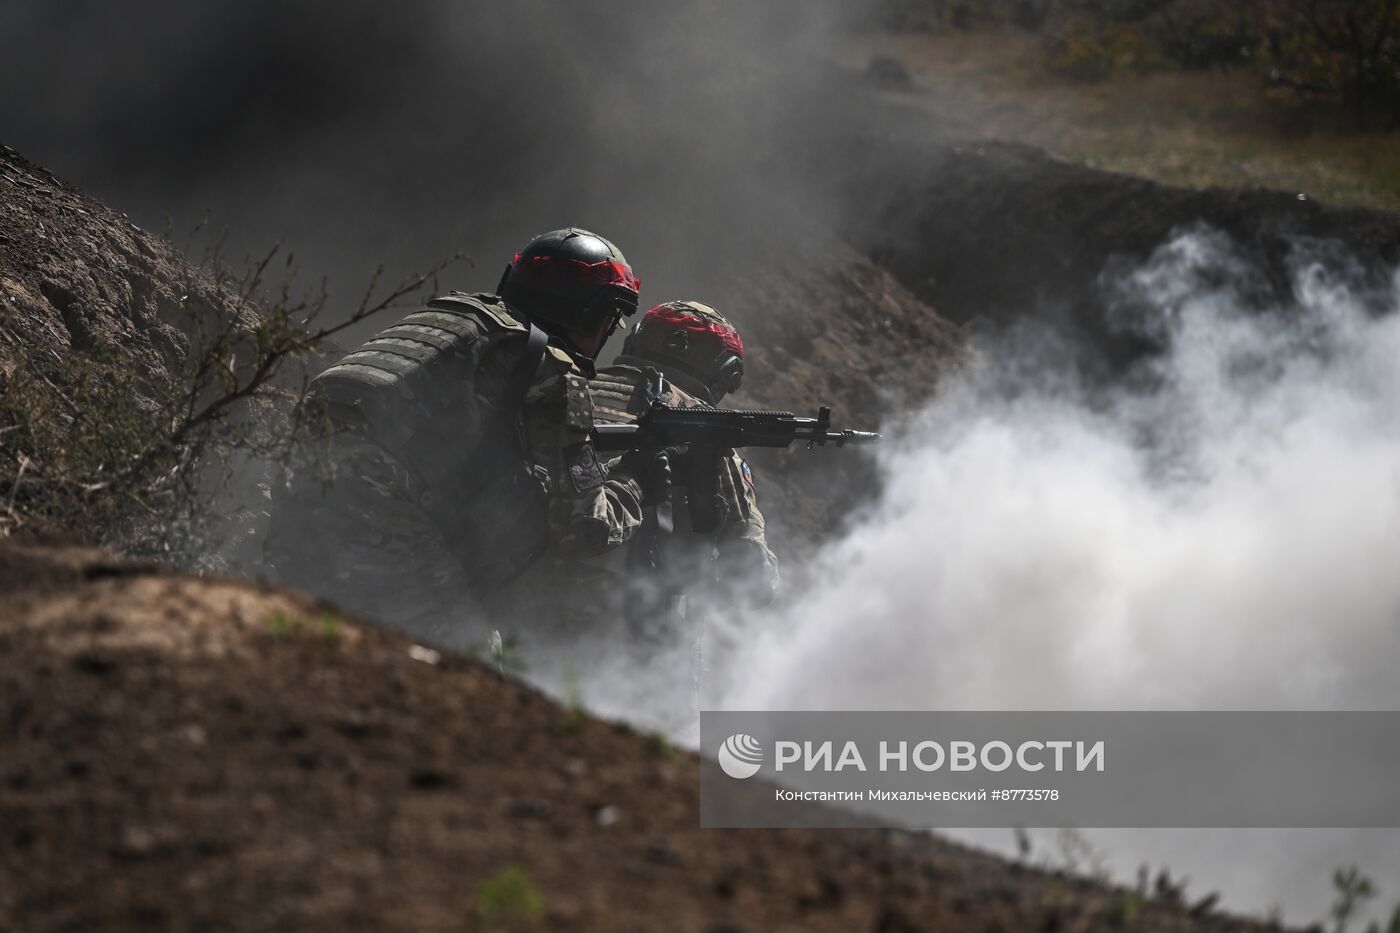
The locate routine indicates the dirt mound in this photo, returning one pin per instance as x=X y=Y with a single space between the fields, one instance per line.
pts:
x=78 y=277
x=823 y=325
x=185 y=753
x=113 y=353
x=1003 y=232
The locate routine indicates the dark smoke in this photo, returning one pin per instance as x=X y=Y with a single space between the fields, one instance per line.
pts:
x=366 y=133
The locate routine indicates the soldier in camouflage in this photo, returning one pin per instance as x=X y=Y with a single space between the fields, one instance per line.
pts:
x=685 y=353
x=459 y=446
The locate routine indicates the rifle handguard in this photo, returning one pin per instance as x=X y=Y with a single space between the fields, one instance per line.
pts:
x=664 y=426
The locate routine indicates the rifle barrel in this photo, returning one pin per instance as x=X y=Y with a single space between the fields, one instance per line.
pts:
x=663 y=426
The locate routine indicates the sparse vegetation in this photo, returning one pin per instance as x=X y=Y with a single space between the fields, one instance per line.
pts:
x=326 y=626
x=1024 y=845
x=509 y=897
x=661 y=747
x=1228 y=126
x=96 y=445
x=1352 y=890
x=506 y=654
x=1077 y=855
x=1122 y=908
x=1345 y=51
x=577 y=715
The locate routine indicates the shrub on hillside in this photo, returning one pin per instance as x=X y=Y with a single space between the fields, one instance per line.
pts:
x=1348 y=50
x=101 y=449
x=1093 y=39
x=938 y=16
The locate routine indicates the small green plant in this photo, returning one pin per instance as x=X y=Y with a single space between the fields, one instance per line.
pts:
x=1122 y=908
x=1098 y=57
x=577 y=713
x=505 y=654
x=326 y=626
x=1353 y=890
x=329 y=625
x=1168 y=890
x=281 y=624
x=1024 y=844
x=1079 y=856
x=509 y=896
x=661 y=747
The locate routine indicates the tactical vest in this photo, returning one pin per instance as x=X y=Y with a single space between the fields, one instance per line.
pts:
x=619 y=394
x=412 y=388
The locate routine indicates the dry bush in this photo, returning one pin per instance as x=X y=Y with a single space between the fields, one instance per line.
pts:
x=99 y=448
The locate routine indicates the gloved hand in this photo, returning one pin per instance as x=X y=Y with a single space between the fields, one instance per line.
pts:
x=652 y=471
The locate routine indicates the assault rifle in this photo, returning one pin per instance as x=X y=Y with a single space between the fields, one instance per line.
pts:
x=708 y=433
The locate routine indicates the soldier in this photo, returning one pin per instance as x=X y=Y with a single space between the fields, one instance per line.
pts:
x=459 y=444
x=699 y=359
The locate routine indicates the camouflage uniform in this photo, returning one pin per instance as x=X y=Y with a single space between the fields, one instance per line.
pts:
x=685 y=565
x=619 y=397
x=440 y=489
x=657 y=577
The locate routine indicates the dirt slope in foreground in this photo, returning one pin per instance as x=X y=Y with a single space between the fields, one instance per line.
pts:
x=184 y=753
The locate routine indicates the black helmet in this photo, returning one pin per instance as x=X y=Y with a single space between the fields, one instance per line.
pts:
x=695 y=339
x=572 y=279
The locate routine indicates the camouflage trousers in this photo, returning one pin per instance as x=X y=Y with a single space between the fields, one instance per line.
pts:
x=360 y=538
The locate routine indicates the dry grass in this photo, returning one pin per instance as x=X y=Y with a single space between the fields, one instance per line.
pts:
x=1192 y=129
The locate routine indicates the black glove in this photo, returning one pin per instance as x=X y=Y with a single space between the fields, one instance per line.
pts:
x=652 y=471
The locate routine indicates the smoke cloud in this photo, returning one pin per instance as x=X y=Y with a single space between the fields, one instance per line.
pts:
x=363 y=133
x=1222 y=536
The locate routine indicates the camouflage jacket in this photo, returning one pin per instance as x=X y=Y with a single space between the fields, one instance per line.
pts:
x=620 y=397
x=496 y=448
x=581 y=598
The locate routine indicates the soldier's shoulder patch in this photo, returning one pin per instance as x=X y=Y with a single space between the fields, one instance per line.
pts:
x=578 y=407
x=584 y=470
x=747 y=473
x=559 y=360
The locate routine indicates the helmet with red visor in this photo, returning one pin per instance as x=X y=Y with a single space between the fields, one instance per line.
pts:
x=572 y=283
x=695 y=339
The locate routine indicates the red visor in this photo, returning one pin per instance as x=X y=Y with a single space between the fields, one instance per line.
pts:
x=672 y=318
x=607 y=272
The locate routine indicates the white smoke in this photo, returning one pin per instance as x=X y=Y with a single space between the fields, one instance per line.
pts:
x=1226 y=535
x=1227 y=538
